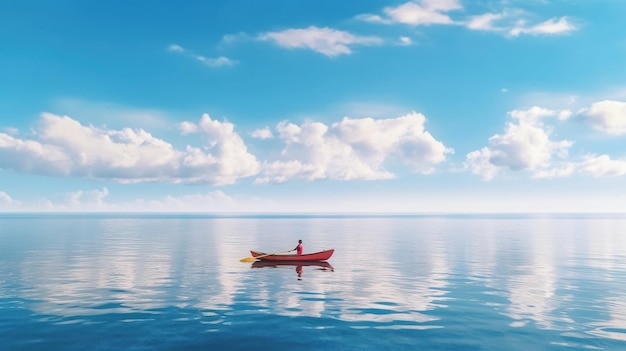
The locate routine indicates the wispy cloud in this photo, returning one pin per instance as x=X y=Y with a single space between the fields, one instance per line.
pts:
x=405 y=41
x=327 y=41
x=484 y=22
x=514 y=23
x=98 y=200
x=550 y=27
x=229 y=39
x=508 y=22
x=214 y=62
x=110 y=114
x=175 y=48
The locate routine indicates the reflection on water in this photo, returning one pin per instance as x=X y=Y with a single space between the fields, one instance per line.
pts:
x=299 y=266
x=526 y=281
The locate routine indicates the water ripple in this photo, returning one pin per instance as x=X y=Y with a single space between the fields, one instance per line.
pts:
x=446 y=283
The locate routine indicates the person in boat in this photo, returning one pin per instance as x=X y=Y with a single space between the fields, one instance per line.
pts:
x=299 y=248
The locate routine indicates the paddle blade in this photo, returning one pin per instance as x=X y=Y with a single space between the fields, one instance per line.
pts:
x=247 y=259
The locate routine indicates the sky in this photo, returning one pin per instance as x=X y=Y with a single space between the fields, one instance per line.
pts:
x=427 y=106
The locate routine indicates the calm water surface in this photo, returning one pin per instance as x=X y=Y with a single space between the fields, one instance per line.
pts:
x=175 y=282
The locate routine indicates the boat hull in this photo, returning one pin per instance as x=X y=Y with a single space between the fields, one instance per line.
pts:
x=316 y=256
x=323 y=265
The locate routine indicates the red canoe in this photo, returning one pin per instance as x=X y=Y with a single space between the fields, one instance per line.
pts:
x=323 y=265
x=316 y=256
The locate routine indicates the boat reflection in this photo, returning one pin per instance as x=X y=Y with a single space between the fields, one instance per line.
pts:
x=299 y=265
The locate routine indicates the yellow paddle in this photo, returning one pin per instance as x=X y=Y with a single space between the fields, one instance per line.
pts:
x=250 y=259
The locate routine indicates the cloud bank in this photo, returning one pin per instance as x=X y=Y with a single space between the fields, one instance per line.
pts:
x=351 y=149
x=347 y=150
x=65 y=147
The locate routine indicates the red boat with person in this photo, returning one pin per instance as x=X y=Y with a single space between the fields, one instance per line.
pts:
x=315 y=256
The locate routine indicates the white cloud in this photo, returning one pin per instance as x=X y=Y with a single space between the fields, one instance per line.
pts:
x=264 y=133
x=514 y=22
x=564 y=115
x=525 y=145
x=372 y=18
x=327 y=41
x=230 y=159
x=484 y=22
x=32 y=157
x=354 y=149
x=82 y=199
x=217 y=62
x=532 y=115
x=424 y=13
x=175 y=48
x=5 y=199
x=282 y=171
x=608 y=116
x=508 y=21
x=549 y=27
x=405 y=41
x=603 y=166
x=479 y=163
x=187 y=128
x=234 y=38
x=8 y=204
x=67 y=148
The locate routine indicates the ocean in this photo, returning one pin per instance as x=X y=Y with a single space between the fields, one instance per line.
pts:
x=396 y=282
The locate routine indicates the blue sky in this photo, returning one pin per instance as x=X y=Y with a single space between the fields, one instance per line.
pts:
x=313 y=106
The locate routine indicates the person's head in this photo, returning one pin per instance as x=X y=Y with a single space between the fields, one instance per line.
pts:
x=299 y=241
